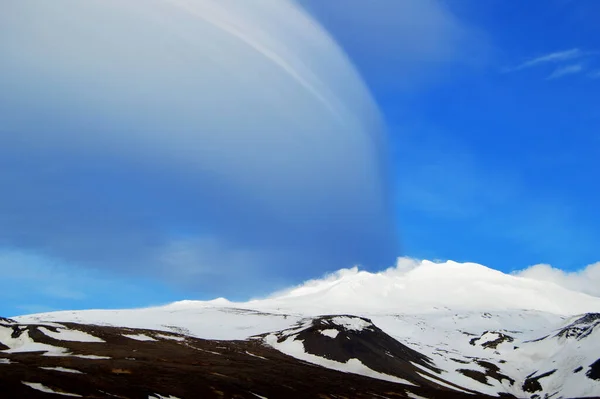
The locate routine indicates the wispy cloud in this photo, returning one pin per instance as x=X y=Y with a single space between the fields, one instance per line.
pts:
x=565 y=63
x=586 y=280
x=35 y=283
x=35 y=308
x=565 y=70
x=393 y=42
x=595 y=74
x=558 y=56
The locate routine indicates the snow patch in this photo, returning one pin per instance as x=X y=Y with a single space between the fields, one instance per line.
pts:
x=63 y=334
x=171 y=337
x=207 y=351
x=351 y=323
x=24 y=343
x=331 y=333
x=62 y=369
x=252 y=354
x=442 y=383
x=92 y=357
x=42 y=388
x=139 y=337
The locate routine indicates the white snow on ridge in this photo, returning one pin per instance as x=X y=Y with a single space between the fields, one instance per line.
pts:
x=64 y=334
x=139 y=337
x=351 y=323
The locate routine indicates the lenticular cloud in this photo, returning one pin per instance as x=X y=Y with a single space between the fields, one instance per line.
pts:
x=210 y=136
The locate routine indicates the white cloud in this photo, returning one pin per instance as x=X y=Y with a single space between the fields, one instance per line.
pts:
x=565 y=70
x=558 y=56
x=586 y=280
x=255 y=121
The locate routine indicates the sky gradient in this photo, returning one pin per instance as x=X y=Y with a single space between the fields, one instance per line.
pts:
x=197 y=149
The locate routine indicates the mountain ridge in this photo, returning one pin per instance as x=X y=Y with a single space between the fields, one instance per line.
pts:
x=474 y=329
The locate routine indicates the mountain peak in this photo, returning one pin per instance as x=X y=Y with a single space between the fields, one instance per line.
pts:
x=419 y=286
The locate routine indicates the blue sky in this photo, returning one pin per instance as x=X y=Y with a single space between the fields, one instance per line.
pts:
x=503 y=154
x=111 y=197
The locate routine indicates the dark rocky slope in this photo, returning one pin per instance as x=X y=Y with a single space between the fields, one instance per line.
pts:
x=176 y=366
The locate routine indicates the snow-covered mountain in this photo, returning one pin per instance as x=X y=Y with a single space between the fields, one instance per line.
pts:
x=436 y=327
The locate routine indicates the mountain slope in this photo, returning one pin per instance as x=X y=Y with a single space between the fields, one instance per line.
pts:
x=74 y=360
x=453 y=327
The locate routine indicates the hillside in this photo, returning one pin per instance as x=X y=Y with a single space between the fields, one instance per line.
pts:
x=422 y=329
